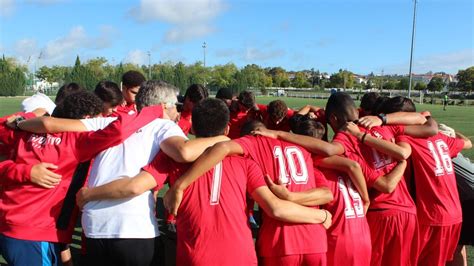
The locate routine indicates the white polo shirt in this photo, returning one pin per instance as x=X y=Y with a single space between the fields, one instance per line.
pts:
x=130 y=217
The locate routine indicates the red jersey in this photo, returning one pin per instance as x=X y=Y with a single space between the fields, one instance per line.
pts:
x=437 y=198
x=212 y=226
x=127 y=108
x=289 y=164
x=349 y=235
x=238 y=119
x=284 y=124
x=185 y=122
x=374 y=164
x=30 y=212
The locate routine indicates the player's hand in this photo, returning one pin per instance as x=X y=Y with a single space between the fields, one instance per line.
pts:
x=265 y=132
x=172 y=200
x=351 y=128
x=278 y=189
x=425 y=113
x=370 y=121
x=10 y=122
x=41 y=175
x=366 y=206
x=81 y=197
x=328 y=221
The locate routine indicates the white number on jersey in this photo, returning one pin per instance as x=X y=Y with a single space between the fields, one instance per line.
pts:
x=355 y=209
x=441 y=156
x=380 y=159
x=299 y=176
x=216 y=184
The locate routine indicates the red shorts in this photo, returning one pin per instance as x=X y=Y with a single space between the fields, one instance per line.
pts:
x=394 y=238
x=353 y=249
x=315 y=259
x=438 y=243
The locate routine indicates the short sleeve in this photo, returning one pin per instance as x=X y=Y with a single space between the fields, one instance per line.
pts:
x=403 y=138
x=254 y=176
x=398 y=130
x=246 y=143
x=160 y=167
x=169 y=130
x=98 y=123
x=455 y=145
x=371 y=175
x=345 y=140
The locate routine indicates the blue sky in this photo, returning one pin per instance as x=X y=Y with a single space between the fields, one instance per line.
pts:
x=359 y=35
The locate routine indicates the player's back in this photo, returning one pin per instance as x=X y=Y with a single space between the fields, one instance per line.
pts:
x=292 y=165
x=212 y=225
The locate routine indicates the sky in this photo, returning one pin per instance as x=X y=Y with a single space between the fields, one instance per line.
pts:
x=362 y=36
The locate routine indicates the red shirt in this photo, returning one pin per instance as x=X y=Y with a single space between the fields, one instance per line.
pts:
x=126 y=107
x=374 y=165
x=284 y=124
x=238 y=119
x=349 y=229
x=212 y=225
x=437 y=197
x=29 y=212
x=185 y=122
x=292 y=165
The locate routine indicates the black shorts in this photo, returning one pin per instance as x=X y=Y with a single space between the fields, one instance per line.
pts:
x=120 y=251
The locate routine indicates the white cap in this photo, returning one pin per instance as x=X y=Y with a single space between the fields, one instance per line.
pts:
x=38 y=100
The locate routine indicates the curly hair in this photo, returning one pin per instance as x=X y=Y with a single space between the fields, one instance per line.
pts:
x=79 y=105
x=277 y=110
x=132 y=79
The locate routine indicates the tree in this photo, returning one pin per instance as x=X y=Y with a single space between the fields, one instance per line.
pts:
x=300 y=81
x=466 y=79
x=82 y=75
x=180 y=77
x=12 y=78
x=342 y=79
x=403 y=84
x=420 y=86
x=279 y=77
x=436 y=84
x=222 y=76
x=390 y=85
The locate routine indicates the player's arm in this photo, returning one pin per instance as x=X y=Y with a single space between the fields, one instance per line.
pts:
x=182 y=150
x=205 y=162
x=310 y=197
x=288 y=211
x=307 y=109
x=40 y=174
x=388 y=182
x=467 y=141
x=428 y=129
x=125 y=187
x=353 y=170
x=386 y=147
x=398 y=118
x=52 y=125
x=311 y=144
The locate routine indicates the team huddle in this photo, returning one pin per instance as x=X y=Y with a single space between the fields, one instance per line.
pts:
x=381 y=192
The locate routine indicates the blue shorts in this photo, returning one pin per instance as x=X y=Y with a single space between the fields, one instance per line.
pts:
x=26 y=252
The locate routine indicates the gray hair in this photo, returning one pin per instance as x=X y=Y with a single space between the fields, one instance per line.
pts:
x=154 y=92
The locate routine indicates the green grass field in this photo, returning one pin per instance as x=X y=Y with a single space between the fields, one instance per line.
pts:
x=460 y=118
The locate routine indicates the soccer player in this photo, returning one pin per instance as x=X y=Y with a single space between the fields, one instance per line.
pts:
x=437 y=198
x=212 y=218
x=242 y=111
x=110 y=95
x=276 y=115
x=194 y=94
x=279 y=243
x=29 y=233
x=131 y=81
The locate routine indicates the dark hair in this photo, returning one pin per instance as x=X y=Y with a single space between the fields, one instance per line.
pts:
x=210 y=118
x=109 y=92
x=79 y=105
x=66 y=90
x=379 y=105
x=250 y=126
x=247 y=99
x=196 y=93
x=132 y=79
x=341 y=105
x=304 y=125
x=224 y=94
x=277 y=110
x=398 y=104
x=368 y=101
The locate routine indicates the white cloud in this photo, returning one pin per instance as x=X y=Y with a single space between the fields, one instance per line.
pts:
x=189 y=19
x=137 y=57
x=7 y=8
x=449 y=62
x=256 y=54
x=57 y=48
x=173 y=55
x=44 y=2
x=107 y=35
x=26 y=50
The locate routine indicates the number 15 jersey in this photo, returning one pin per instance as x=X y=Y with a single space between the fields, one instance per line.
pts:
x=289 y=164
